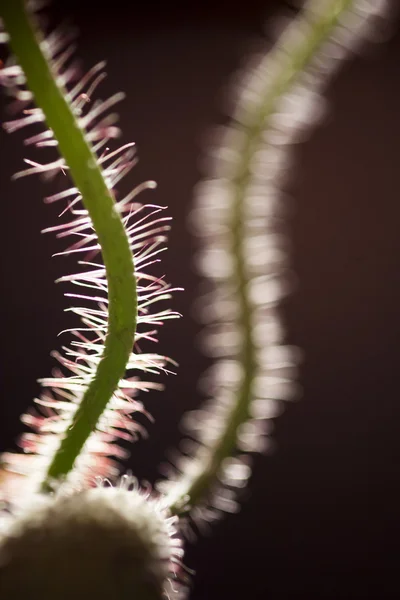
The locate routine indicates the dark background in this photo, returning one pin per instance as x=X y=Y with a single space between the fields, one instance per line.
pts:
x=322 y=518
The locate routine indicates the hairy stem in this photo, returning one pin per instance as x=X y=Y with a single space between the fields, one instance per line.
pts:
x=193 y=489
x=98 y=200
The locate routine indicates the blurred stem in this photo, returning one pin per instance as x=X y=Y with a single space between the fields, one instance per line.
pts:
x=299 y=51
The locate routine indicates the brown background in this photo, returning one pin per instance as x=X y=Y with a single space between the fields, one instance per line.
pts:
x=321 y=520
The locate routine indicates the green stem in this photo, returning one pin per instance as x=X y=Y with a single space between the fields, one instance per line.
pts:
x=299 y=55
x=99 y=202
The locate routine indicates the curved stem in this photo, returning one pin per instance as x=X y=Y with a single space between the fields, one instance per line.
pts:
x=113 y=240
x=300 y=51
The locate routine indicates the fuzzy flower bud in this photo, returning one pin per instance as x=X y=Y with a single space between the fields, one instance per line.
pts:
x=103 y=543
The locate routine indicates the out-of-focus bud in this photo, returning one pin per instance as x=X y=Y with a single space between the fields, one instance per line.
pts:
x=102 y=543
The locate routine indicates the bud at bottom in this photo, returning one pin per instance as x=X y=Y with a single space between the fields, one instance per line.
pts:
x=102 y=543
